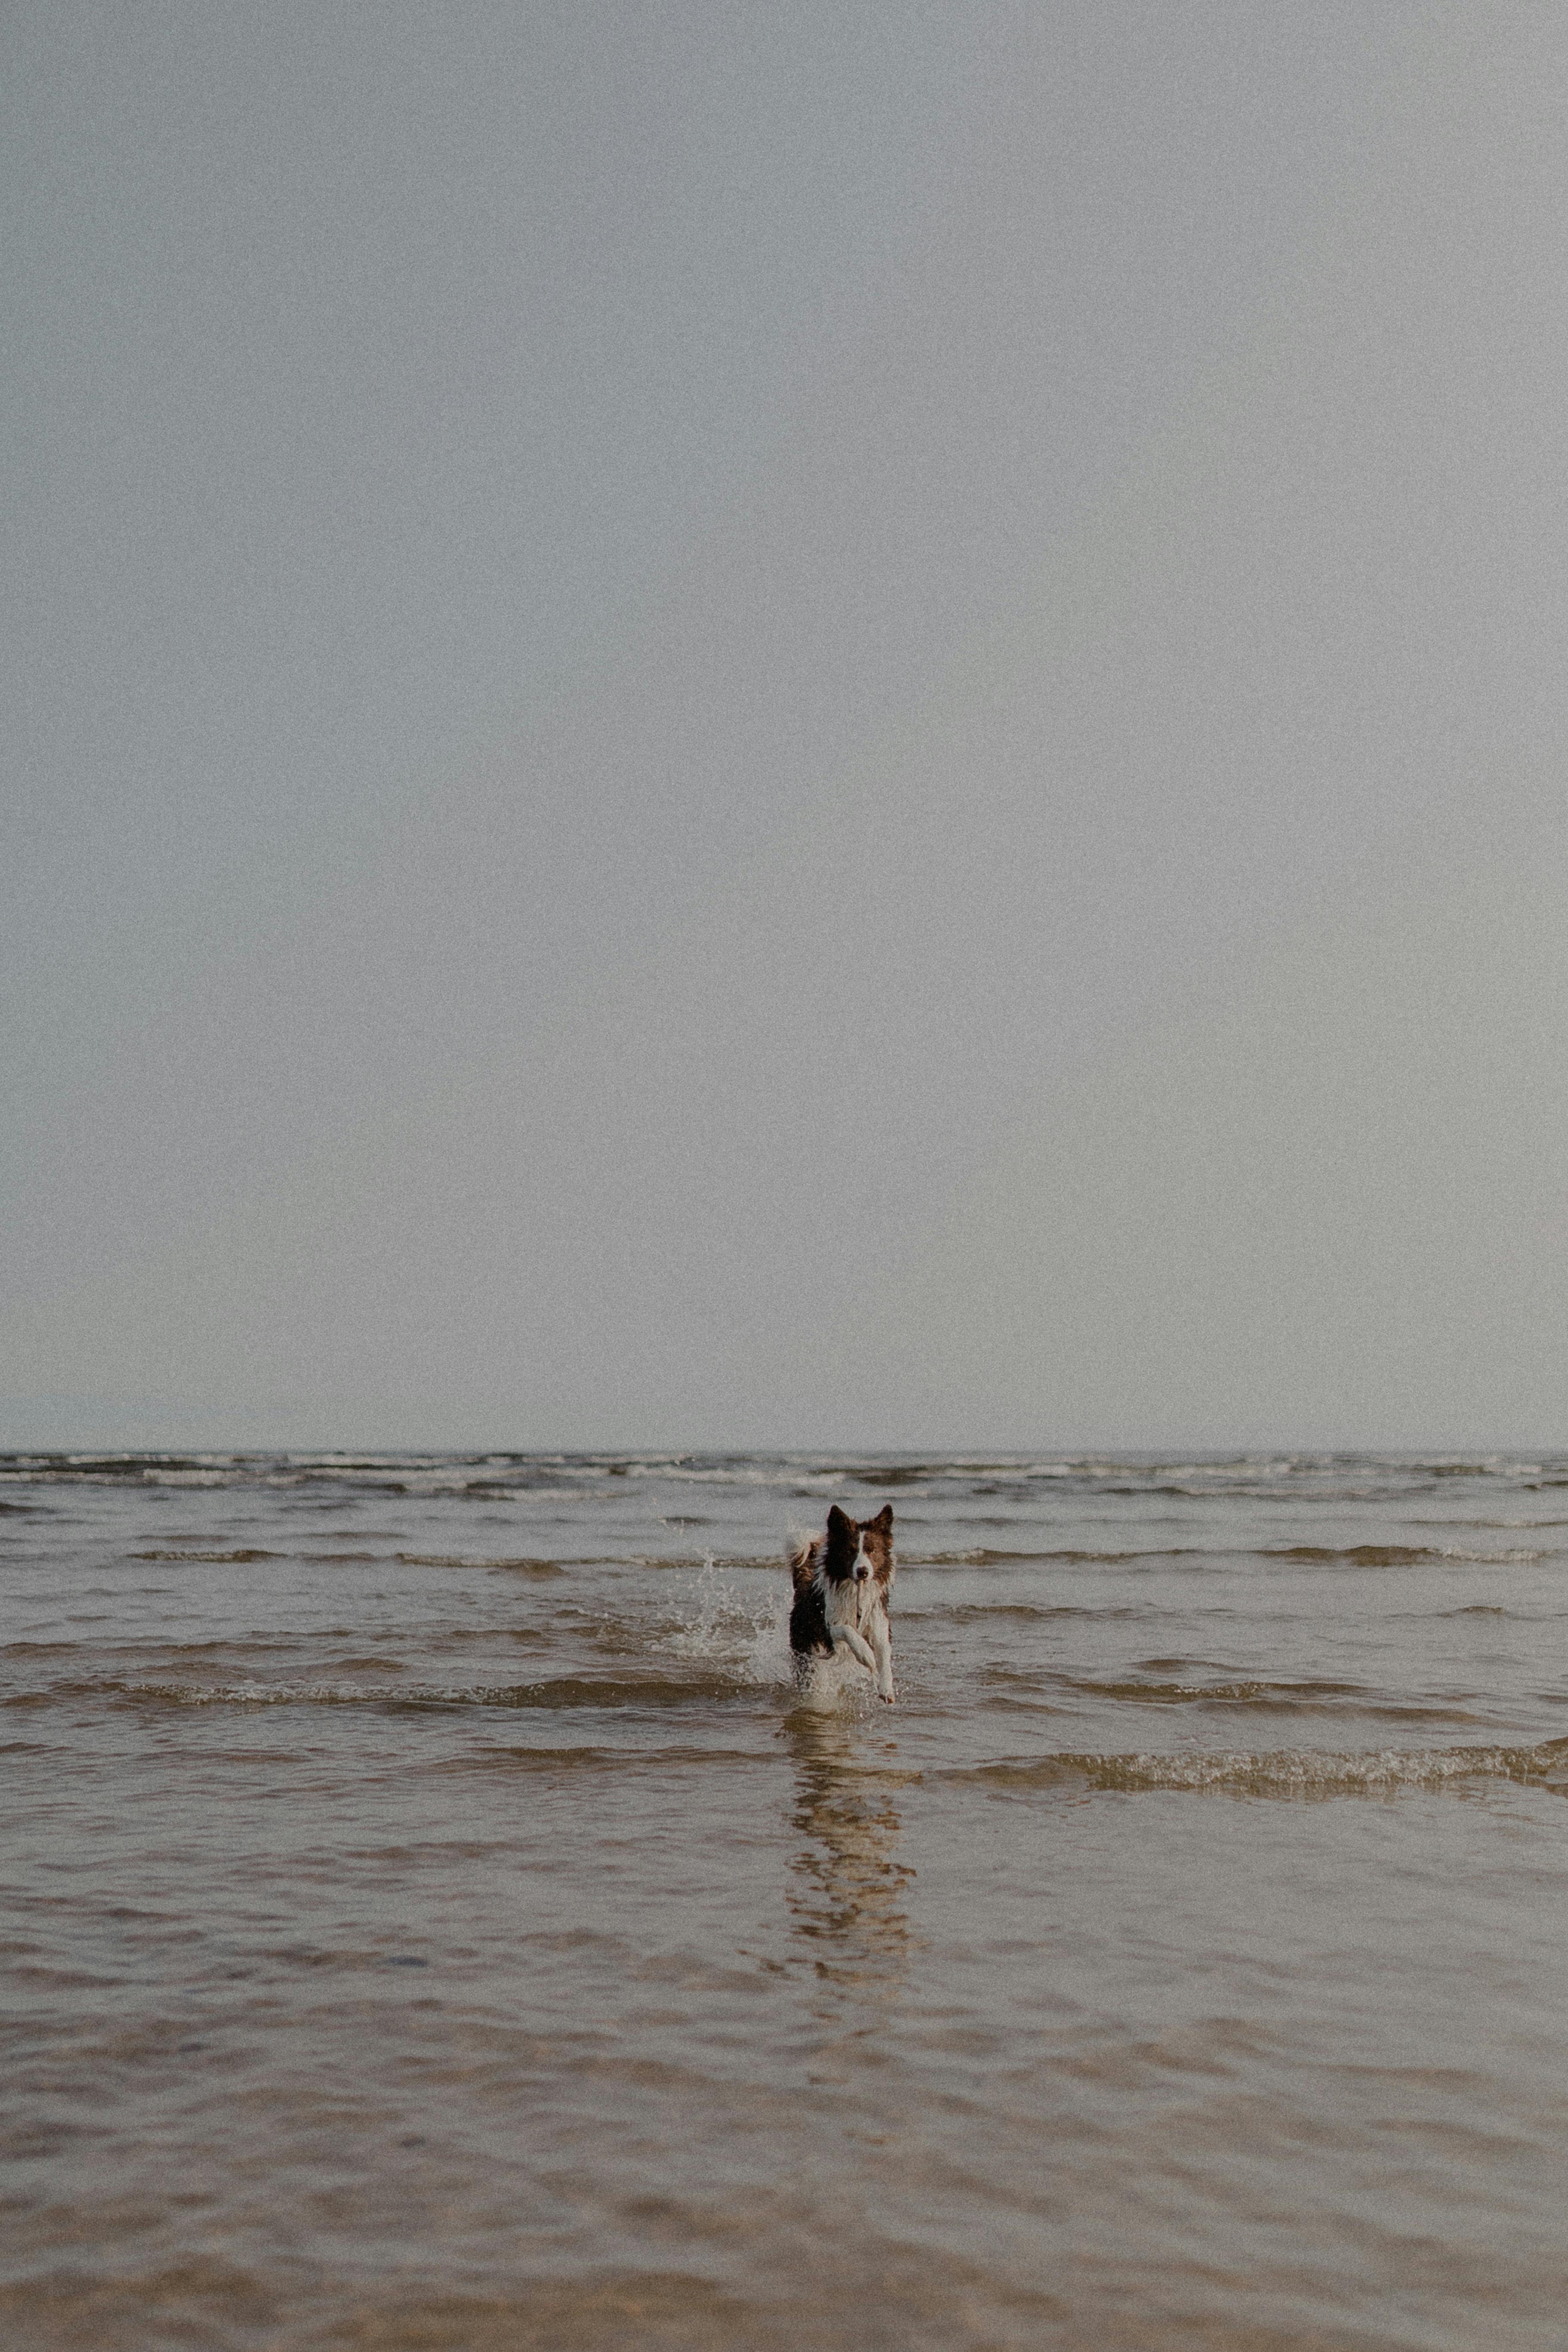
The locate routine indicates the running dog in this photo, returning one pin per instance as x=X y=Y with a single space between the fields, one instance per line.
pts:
x=843 y=1581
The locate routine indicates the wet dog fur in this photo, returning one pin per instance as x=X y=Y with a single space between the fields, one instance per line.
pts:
x=843 y=1582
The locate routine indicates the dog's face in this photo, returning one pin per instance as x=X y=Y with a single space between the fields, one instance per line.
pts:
x=858 y=1550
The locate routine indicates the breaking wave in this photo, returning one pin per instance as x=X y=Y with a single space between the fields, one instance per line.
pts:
x=1279 y=1772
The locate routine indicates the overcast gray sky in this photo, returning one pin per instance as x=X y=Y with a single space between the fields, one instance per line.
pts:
x=785 y=726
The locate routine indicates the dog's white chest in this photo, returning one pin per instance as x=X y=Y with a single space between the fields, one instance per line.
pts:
x=846 y=1602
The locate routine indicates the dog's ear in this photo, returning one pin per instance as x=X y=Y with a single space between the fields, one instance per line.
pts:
x=838 y=1522
x=884 y=1517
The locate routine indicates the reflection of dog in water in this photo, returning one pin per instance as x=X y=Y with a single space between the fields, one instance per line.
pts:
x=843 y=1581
x=847 y=1886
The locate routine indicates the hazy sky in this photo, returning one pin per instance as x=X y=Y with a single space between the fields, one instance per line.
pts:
x=785 y=726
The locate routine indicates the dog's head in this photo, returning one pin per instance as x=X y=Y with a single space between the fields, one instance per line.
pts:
x=858 y=1550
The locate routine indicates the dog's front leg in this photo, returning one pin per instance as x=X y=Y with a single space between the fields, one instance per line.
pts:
x=846 y=1637
x=882 y=1643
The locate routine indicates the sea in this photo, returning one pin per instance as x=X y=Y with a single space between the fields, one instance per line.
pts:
x=435 y=1917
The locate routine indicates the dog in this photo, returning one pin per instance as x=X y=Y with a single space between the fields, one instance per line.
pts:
x=843 y=1582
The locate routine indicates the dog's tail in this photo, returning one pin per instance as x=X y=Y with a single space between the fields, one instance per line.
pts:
x=801 y=1558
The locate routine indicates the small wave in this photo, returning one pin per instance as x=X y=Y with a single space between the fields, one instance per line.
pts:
x=214 y=1559
x=984 y=1556
x=494 y=1758
x=1494 y=1465
x=688 y=1472
x=1326 y=1555
x=1370 y=1555
x=990 y=1556
x=1015 y=1611
x=971 y=1613
x=1283 y=1772
x=561 y=1692
x=1493 y=1524
x=1241 y=1692
x=523 y=1566
x=1041 y=1611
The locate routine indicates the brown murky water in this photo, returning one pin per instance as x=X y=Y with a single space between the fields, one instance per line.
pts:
x=432 y=1919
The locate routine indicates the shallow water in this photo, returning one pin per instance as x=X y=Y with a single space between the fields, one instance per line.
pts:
x=433 y=1917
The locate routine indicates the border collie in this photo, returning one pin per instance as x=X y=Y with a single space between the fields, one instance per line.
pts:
x=843 y=1581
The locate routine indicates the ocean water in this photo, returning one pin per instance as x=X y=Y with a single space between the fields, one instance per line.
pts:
x=433 y=1916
